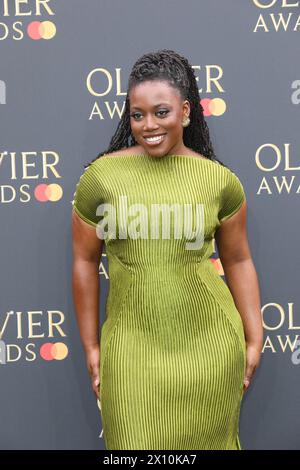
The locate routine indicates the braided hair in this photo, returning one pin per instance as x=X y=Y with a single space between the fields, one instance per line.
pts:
x=166 y=65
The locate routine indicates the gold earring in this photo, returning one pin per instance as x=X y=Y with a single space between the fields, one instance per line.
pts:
x=186 y=122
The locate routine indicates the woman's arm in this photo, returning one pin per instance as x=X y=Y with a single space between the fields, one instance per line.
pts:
x=87 y=250
x=235 y=256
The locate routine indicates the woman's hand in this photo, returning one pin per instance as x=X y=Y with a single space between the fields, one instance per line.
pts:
x=253 y=356
x=93 y=365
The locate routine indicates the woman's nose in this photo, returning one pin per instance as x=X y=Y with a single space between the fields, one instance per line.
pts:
x=150 y=123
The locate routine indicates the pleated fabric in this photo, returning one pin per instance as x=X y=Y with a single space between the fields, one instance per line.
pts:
x=172 y=345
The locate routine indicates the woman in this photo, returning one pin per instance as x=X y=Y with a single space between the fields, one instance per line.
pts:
x=179 y=346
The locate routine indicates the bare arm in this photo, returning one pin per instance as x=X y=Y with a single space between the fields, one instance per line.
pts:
x=241 y=277
x=87 y=250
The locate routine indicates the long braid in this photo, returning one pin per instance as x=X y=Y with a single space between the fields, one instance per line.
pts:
x=167 y=65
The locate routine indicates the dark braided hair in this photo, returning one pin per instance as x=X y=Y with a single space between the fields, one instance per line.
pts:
x=166 y=65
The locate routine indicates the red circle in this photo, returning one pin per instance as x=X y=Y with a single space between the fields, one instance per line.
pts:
x=205 y=103
x=40 y=192
x=33 y=30
x=46 y=351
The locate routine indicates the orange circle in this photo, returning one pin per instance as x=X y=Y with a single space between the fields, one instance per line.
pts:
x=54 y=192
x=219 y=106
x=47 y=29
x=59 y=351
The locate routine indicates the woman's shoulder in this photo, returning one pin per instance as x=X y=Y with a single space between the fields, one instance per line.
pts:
x=224 y=169
x=134 y=150
x=103 y=158
x=100 y=162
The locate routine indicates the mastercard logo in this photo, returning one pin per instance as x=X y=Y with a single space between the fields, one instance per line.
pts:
x=48 y=192
x=41 y=30
x=50 y=351
x=213 y=107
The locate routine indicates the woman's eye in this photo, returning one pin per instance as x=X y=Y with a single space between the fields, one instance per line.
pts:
x=164 y=112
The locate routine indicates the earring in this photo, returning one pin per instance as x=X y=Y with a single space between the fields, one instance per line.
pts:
x=186 y=122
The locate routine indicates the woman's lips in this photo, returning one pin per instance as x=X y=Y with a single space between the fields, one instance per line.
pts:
x=157 y=141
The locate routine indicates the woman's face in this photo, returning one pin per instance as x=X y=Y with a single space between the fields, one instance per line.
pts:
x=157 y=109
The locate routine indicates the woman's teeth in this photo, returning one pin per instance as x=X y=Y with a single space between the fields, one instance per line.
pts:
x=155 y=140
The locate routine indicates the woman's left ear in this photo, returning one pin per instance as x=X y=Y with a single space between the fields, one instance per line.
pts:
x=187 y=108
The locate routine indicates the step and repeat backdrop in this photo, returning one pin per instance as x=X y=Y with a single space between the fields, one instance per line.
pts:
x=64 y=66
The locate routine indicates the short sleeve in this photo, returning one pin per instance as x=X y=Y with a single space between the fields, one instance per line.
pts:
x=233 y=196
x=87 y=196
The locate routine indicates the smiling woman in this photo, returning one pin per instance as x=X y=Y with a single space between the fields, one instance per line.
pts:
x=173 y=353
x=155 y=138
x=162 y=99
x=158 y=128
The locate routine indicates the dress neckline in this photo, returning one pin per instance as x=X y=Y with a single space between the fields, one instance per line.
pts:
x=164 y=157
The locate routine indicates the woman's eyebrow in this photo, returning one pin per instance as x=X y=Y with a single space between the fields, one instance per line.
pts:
x=155 y=106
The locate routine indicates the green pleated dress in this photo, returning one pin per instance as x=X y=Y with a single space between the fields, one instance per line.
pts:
x=172 y=345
